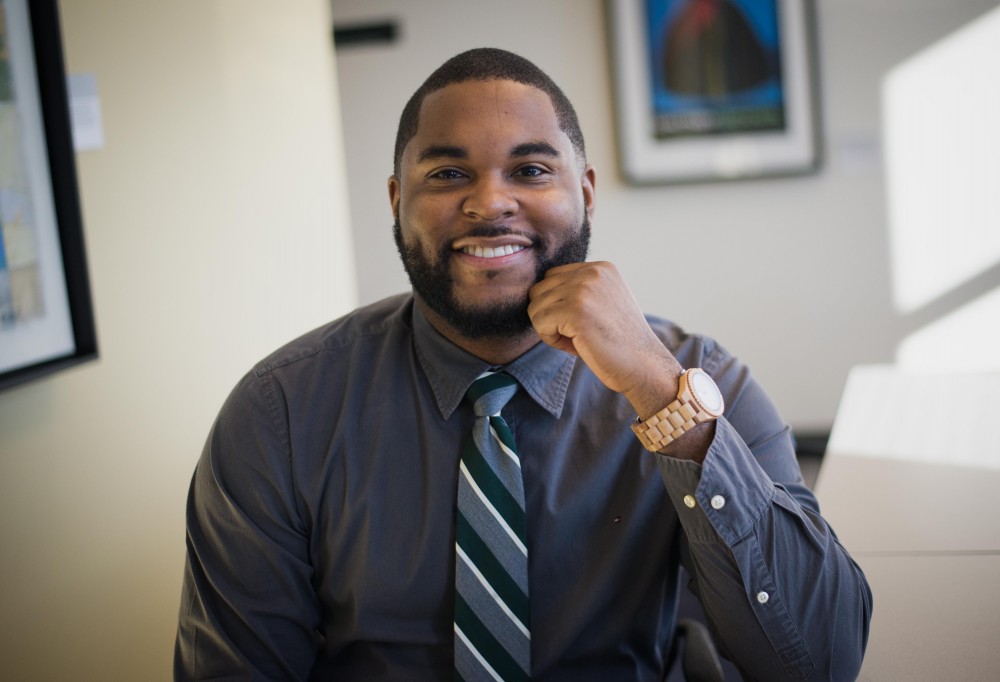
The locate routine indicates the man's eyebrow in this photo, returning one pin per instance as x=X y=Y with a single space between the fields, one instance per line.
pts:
x=535 y=149
x=442 y=151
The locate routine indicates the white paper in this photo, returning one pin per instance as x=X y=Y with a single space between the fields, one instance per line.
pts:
x=85 y=112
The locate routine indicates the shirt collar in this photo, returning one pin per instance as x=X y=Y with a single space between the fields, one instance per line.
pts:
x=543 y=371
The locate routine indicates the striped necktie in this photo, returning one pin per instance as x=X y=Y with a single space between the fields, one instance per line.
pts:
x=492 y=641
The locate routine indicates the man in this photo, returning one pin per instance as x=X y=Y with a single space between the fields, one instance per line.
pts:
x=322 y=515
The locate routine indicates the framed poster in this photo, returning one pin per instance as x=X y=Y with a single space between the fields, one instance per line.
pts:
x=714 y=89
x=46 y=317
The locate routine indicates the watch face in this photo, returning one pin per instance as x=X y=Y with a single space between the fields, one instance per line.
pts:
x=706 y=392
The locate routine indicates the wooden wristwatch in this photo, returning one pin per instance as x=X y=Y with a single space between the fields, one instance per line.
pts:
x=698 y=401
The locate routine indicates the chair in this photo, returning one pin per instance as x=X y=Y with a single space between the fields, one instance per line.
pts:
x=699 y=658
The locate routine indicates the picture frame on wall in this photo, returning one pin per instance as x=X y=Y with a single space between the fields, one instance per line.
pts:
x=46 y=313
x=710 y=90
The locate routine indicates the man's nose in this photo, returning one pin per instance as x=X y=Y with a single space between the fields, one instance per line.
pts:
x=490 y=198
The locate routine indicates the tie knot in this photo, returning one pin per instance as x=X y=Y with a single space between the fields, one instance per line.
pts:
x=490 y=392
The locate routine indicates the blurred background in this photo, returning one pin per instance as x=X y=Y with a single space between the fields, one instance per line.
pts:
x=239 y=199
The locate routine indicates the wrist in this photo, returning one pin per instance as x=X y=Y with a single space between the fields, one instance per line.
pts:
x=655 y=387
x=698 y=401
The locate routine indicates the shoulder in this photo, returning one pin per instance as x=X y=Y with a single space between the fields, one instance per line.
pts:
x=373 y=325
x=690 y=349
x=328 y=361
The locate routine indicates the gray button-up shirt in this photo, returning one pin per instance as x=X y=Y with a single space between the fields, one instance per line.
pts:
x=321 y=520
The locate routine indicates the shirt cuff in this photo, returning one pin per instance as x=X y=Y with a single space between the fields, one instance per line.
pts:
x=722 y=498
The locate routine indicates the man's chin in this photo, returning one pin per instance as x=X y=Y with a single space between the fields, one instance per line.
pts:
x=504 y=318
x=485 y=301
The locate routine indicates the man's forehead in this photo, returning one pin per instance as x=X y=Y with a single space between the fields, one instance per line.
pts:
x=463 y=113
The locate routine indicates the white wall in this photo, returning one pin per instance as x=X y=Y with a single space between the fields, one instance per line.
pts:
x=796 y=271
x=217 y=227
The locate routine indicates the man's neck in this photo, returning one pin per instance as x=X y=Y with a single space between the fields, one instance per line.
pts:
x=497 y=351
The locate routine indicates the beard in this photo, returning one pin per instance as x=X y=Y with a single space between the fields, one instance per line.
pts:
x=433 y=283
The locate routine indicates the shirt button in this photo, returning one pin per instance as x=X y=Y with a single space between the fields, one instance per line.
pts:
x=718 y=502
x=762 y=597
x=689 y=501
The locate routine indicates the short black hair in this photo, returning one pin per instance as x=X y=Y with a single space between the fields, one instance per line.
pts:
x=486 y=64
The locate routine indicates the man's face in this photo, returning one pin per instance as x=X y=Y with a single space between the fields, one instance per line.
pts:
x=490 y=195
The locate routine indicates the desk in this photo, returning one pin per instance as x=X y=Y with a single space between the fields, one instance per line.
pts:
x=894 y=505
x=928 y=538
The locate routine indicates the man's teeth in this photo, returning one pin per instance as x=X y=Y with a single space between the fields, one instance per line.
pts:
x=487 y=252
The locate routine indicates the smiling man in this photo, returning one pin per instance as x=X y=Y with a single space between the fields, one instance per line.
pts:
x=500 y=474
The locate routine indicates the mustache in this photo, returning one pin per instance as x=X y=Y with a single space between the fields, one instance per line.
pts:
x=499 y=230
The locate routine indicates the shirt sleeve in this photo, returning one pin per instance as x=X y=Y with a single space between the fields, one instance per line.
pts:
x=248 y=609
x=784 y=599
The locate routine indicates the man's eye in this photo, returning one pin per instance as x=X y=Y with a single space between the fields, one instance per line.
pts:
x=530 y=171
x=447 y=174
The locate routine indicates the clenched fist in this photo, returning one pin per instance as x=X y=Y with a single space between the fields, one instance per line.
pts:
x=588 y=310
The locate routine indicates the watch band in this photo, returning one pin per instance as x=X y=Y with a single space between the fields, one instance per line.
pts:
x=674 y=420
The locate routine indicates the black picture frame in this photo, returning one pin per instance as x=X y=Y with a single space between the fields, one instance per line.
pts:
x=683 y=114
x=42 y=129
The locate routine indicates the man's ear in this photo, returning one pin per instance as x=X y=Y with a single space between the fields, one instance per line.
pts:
x=394 y=196
x=588 y=182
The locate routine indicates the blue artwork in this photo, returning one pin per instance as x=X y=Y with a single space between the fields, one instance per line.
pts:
x=715 y=67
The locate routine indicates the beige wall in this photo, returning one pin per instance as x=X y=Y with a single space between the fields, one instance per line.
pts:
x=217 y=226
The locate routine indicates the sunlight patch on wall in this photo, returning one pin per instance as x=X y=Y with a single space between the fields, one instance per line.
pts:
x=942 y=129
x=967 y=339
